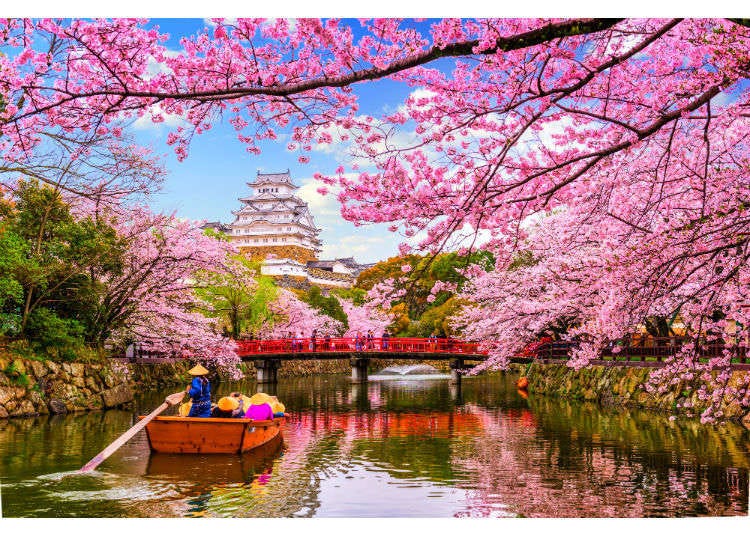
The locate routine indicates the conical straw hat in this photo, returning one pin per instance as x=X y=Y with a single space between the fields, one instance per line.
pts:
x=198 y=370
x=228 y=403
x=260 y=398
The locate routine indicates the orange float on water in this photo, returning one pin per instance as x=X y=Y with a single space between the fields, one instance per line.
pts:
x=522 y=382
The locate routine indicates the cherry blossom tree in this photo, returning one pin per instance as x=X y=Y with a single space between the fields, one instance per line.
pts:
x=152 y=301
x=363 y=318
x=600 y=282
x=294 y=316
x=632 y=133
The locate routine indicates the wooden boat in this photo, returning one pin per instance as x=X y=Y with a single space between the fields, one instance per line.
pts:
x=195 y=435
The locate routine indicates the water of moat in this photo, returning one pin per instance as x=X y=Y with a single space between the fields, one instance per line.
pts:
x=391 y=448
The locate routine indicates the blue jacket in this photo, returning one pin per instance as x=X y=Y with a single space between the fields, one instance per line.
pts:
x=200 y=393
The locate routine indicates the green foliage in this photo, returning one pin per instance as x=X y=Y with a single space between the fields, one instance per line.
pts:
x=356 y=295
x=46 y=329
x=435 y=320
x=414 y=313
x=240 y=299
x=12 y=255
x=327 y=305
x=15 y=376
x=51 y=268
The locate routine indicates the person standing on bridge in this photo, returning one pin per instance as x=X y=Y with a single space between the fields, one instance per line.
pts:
x=288 y=341
x=295 y=343
x=314 y=340
x=199 y=392
x=385 y=339
x=358 y=342
x=370 y=340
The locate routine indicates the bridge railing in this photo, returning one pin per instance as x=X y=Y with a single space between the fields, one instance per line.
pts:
x=654 y=349
x=352 y=344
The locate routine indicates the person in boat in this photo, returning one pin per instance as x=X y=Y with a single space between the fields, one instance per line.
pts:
x=260 y=412
x=199 y=392
x=229 y=407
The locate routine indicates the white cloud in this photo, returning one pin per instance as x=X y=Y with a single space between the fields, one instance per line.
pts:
x=362 y=248
x=170 y=120
x=323 y=207
x=367 y=243
x=154 y=67
x=211 y=24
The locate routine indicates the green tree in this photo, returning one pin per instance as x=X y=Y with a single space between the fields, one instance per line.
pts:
x=59 y=262
x=12 y=256
x=327 y=305
x=418 y=282
x=436 y=320
x=239 y=297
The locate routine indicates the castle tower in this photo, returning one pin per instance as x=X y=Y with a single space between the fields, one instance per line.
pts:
x=274 y=224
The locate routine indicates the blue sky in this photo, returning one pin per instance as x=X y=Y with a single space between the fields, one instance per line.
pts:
x=207 y=184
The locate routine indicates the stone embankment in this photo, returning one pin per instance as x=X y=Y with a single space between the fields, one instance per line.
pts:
x=624 y=386
x=35 y=387
x=30 y=387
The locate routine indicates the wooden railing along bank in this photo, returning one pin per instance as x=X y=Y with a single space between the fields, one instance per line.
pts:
x=654 y=350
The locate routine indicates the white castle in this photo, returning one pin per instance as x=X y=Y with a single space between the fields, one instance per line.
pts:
x=276 y=226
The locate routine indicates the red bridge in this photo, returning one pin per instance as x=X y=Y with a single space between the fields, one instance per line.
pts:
x=267 y=354
x=321 y=347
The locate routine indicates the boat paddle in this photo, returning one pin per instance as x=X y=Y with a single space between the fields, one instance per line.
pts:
x=171 y=400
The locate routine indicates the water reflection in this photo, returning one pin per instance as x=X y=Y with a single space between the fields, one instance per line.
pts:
x=404 y=448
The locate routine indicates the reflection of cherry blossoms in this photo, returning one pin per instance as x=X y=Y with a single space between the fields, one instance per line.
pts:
x=534 y=463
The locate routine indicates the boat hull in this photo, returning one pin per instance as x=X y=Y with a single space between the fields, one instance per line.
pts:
x=195 y=435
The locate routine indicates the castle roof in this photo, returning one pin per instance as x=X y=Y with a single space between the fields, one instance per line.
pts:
x=284 y=178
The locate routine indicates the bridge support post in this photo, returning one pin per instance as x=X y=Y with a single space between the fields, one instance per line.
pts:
x=359 y=369
x=456 y=366
x=454 y=388
x=266 y=370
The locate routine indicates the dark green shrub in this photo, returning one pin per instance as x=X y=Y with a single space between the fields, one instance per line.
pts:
x=47 y=330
